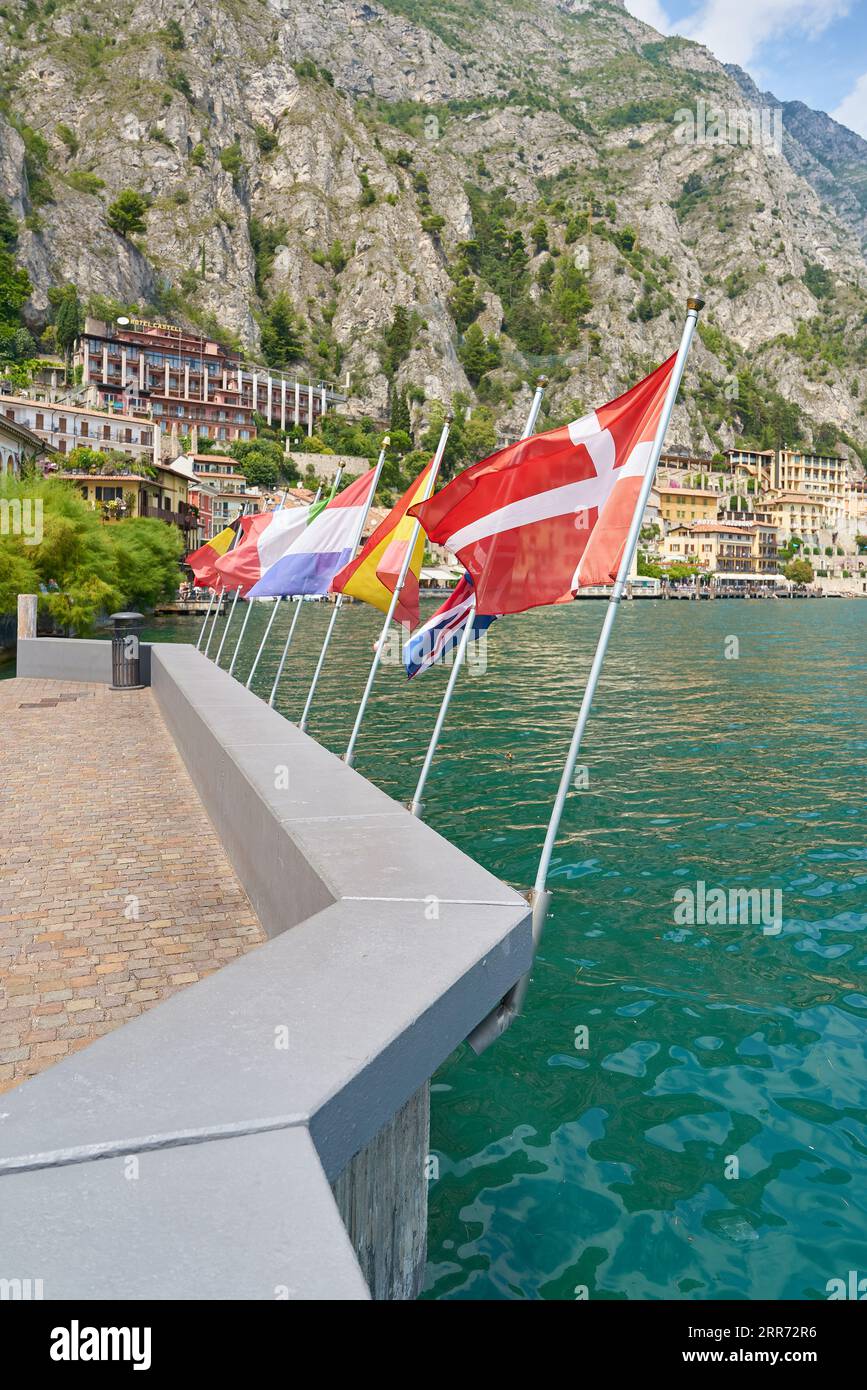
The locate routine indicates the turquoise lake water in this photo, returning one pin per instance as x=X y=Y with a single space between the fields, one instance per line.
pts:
x=563 y=1168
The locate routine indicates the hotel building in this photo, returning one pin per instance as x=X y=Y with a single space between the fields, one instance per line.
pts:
x=821 y=475
x=681 y=504
x=731 y=553
x=184 y=380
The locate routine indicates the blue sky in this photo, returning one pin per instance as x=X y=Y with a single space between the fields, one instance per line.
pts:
x=812 y=50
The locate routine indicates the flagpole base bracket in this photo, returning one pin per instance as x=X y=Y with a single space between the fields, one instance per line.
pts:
x=416 y=809
x=500 y=1019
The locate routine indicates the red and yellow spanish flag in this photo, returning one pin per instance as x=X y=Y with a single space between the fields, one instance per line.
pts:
x=203 y=560
x=372 y=576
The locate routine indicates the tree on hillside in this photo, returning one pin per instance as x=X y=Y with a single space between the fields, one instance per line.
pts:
x=263 y=462
x=398 y=339
x=480 y=435
x=400 y=419
x=540 y=235
x=478 y=354
x=68 y=321
x=15 y=286
x=126 y=215
x=282 y=329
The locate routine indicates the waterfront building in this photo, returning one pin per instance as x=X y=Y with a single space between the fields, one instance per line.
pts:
x=187 y=379
x=66 y=427
x=681 y=503
x=821 y=475
x=733 y=553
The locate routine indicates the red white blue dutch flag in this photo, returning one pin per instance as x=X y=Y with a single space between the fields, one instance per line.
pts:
x=310 y=563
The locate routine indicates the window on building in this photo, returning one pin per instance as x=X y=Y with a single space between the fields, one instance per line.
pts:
x=40 y=422
x=83 y=430
x=106 y=431
x=109 y=494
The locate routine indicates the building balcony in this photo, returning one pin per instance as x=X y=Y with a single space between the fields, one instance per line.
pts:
x=185 y=521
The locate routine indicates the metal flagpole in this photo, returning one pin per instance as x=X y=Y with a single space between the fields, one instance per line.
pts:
x=205 y=623
x=220 y=592
x=509 y=1008
x=278 y=600
x=297 y=613
x=222 y=589
x=226 y=628
x=339 y=600
x=290 y=634
x=417 y=805
x=249 y=603
x=401 y=580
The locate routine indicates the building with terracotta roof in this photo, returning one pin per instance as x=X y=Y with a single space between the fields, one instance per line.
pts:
x=65 y=426
x=733 y=552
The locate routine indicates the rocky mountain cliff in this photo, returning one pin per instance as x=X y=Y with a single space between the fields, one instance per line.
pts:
x=514 y=175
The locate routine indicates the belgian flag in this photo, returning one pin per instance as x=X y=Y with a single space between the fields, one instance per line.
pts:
x=202 y=561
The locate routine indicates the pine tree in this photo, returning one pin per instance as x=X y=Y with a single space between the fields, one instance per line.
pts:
x=400 y=419
x=281 y=333
x=540 y=235
x=68 y=321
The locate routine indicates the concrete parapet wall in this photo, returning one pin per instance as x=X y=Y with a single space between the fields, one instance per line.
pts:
x=301 y=1066
x=72 y=659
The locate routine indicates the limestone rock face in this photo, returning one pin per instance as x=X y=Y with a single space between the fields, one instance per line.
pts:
x=347 y=155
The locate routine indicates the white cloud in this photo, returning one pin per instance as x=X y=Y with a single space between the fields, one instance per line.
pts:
x=852 y=110
x=735 y=30
x=651 y=12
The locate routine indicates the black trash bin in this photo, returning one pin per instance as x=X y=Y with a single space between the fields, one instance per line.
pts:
x=125 y=651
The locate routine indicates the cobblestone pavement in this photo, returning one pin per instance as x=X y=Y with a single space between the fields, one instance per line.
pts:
x=115 y=891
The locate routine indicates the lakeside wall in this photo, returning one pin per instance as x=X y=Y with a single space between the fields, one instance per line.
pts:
x=277 y=1109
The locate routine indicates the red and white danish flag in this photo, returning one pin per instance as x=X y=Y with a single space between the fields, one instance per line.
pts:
x=550 y=514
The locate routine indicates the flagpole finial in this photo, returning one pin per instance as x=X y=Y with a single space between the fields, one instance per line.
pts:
x=695 y=301
x=450 y=418
x=541 y=381
x=386 y=441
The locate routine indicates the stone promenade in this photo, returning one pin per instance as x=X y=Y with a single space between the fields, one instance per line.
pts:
x=114 y=890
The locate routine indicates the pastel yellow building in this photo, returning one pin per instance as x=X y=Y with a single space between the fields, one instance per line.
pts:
x=820 y=475
x=732 y=553
x=799 y=513
x=680 y=505
x=157 y=492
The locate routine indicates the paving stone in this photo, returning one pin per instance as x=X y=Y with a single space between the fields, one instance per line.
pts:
x=115 y=891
